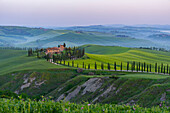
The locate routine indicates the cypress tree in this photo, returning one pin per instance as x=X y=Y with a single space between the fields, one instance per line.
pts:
x=150 y=67
x=147 y=68
x=127 y=66
x=139 y=66
x=64 y=62
x=108 y=66
x=158 y=69
x=89 y=66
x=156 y=66
x=38 y=55
x=48 y=56
x=144 y=66
x=83 y=64
x=68 y=64
x=77 y=65
x=95 y=66
x=115 y=65
x=133 y=65
x=162 y=68
x=72 y=63
x=121 y=66
x=169 y=70
x=102 y=66
x=64 y=45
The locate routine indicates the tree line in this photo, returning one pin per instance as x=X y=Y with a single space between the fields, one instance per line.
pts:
x=130 y=66
x=155 y=48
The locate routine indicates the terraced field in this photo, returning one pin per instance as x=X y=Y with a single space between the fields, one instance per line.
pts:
x=119 y=54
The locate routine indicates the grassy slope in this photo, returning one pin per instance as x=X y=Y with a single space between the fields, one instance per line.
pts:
x=149 y=84
x=120 y=54
x=98 y=49
x=16 y=60
x=63 y=81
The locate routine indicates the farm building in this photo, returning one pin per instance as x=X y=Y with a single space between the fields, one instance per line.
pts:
x=55 y=50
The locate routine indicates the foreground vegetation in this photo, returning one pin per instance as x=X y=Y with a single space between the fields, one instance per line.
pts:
x=49 y=106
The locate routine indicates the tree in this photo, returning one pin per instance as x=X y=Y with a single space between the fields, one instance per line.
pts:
x=95 y=66
x=38 y=55
x=150 y=67
x=83 y=52
x=89 y=66
x=156 y=66
x=144 y=66
x=158 y=69
x=121 y=66
x=64 y=45
x=48 y=56
x=83 y=64
x=30 y=53
x=108 y=66
x=115 y=65
x=72 y=63
x=102 y=66
x=127 y=66
x=54 y=59
x=64 y=62
x=162 y=68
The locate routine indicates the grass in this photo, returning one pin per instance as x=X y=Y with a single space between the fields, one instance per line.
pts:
x=145 y=76
x=17 y=60
x=122 y=55
x=104 y=50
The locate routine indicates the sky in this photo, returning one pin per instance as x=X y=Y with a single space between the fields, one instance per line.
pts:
x=83 y=12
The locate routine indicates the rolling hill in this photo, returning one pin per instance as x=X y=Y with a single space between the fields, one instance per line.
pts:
x=35 y=77
x=75 y=39
x=126 y=36
x=17 y=60
x=108 y=54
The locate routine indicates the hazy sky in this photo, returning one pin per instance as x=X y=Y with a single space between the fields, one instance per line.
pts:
x=83 y=12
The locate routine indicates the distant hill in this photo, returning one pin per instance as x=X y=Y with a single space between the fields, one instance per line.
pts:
x=160 y=37
x=76 y=39
x=126 y=36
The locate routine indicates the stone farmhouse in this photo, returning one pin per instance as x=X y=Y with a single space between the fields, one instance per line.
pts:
x=55 y=50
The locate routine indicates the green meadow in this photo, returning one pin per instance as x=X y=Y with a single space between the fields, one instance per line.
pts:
x=17 y=60
x=108 y=54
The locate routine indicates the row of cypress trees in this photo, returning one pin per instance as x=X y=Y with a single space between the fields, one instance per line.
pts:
x=133 y=66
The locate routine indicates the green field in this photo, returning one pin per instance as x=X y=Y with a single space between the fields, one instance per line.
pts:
x=17 y=60
x=107 y=54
